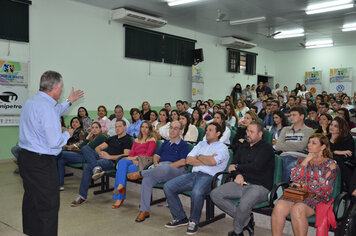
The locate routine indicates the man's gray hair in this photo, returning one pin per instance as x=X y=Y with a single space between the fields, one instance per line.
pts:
x=49 y=79
x=180 y=124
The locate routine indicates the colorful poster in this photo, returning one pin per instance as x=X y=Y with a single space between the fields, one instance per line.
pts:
x=313 y=77
x=13 y=73
x=197 y=91
x=12 y=99
x=197 y=84
x=314 y=88
x=340 y=75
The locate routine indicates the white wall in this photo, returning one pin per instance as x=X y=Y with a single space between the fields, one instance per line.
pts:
x=77 y=40
x=292 y=65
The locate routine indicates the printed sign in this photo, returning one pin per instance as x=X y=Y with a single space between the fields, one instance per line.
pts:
x=313 y=77
x=345 y=87
x=12 y=99
x=13 y=73
x=340 y=75
x=197 y=91
x=9 y=120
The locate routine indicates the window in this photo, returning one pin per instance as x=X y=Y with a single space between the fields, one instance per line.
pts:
x=155 y=46
x=14 y=20
x=241 y=61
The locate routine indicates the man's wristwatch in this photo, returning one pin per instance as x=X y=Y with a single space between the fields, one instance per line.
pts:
x=70 y=103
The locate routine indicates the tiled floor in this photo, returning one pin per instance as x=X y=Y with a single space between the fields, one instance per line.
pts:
x=95 y=217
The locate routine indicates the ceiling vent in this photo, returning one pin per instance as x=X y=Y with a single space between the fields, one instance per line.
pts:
x=233 y=42
x=137 y=19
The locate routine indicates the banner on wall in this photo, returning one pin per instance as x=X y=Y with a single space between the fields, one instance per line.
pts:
x=313 y=81
x=13 y=73
x=340 y=80
x=12 y=99
x=197 y=84
x=340 y=75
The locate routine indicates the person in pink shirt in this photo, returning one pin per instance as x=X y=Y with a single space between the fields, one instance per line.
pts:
x=144 y=145
x=102 y=119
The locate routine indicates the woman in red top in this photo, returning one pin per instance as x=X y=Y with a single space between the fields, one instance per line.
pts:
x=144 y=145
x=316 y=174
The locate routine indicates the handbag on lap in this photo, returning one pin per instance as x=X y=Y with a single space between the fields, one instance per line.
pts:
x=143 y=161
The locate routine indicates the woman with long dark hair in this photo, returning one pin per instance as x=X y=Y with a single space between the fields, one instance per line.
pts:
x=342 y=146
x=190 y=132
x=197 y=118
x=86 y=120
x=161 y=129
x=236 y=93
x=280 y=121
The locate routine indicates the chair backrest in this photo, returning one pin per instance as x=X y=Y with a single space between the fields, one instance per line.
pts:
x=232 y=135
x=267 y=136
x=337 y=185
x=231 y=156
x=278 y=169
x=233 y=128
x=158 y=145
x=201 y=134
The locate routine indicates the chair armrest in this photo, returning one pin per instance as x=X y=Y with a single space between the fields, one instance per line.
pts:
x=273 y=196
x=337 y=202
x=215 y=178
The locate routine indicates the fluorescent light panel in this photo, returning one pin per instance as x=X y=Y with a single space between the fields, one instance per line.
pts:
x=246 y=21
x=180 y=2
x=328 y=9
x=319 y=44
x=290 y=34
x=349 y=27
x=328 y=4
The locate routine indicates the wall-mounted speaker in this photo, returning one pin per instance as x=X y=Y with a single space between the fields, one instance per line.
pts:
x=198 y=55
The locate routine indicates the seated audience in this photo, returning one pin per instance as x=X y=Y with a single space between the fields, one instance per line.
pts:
x=216 y=107
x=241 y=130
x=336 y=105
x=197 y=119
x=74 y=142
x=187 y=108
x=102 y=119
x=343 y=148
x=207 y=158
x=311 y=121
x=279 y=122
x=204 y=110
x=346 y=103
x=323 y=108
x=63 y=124
x=289 y=105
x=190 y=132
x=268 y=120
x=253 y=169
x=316 y=173
x=84 y=117
x=241 y=108
x=94 y=139
x=180 y=106
x=169 y=162
x=136 y=119
x=324 y=123
x=197 y=104
x=154 y=118
x=293 y=141
x=219 y=118
x=174 y=115
x=211 y=105
x=119 y=115
x=143 y=146
x=146 y=110
x=103 y=158
x=253 y=93
x=231 y=117
x=161 y=130
x=168 y=107
x=345 y=114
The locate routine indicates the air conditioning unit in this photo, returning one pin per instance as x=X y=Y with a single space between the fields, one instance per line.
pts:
x=137 y=19
x=233 y=42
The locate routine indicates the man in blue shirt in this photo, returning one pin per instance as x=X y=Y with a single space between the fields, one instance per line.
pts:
x=169 y=162
x=41 y=139
x=207 y=158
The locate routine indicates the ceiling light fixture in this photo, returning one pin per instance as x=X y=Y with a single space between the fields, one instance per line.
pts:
x=319 y=44
x=246 y=21
x=290 y=34
x=172 y=3
x=349 y=27
x=329 y=6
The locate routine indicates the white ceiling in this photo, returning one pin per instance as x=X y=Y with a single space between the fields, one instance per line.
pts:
x=280 y=15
